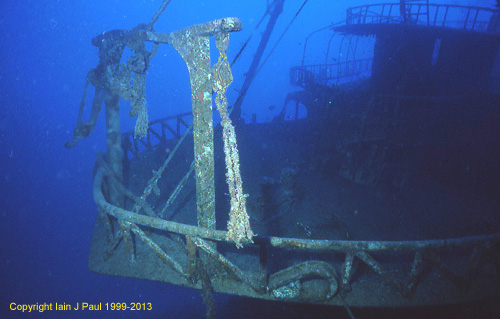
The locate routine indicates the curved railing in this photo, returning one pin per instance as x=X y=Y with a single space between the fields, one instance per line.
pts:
x=334 y=263
x=478 y=19
x=324 y=73
x=159 y=131
x=418 y=262
x=393 y=273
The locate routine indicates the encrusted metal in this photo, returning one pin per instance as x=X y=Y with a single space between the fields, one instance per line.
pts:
x=323 y=271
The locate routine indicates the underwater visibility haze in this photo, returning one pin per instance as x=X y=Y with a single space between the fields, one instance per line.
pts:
x=246 y=159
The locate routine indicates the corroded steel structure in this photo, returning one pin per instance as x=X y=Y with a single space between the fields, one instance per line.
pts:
x=196 y=253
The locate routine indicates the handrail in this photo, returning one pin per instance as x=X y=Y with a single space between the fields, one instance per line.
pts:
x=282 y=242
x=303 y=75
x=162 y=129
x=479 y=19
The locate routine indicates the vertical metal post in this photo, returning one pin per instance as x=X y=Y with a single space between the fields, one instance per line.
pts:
x=427 y=4
x=203 y=135
x=467 y=18
x=114 y=141
x=445 y=15
x=195 y=50
x=193 y=44
x=436 y=15
x=277 y=9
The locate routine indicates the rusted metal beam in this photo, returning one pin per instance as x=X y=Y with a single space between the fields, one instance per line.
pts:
x=193 y=44
x=289 y=243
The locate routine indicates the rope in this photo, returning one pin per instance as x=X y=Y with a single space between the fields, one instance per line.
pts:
x=239 y=222
x=249 y=37
x=158 y=13
x=281 y=37
x=243 y=92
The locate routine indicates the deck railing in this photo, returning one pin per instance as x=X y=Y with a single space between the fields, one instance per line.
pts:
x=325 y=73
x=441 y=15
x=159 y=131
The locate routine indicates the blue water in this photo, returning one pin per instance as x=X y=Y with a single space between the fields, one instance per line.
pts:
x=46 y=206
